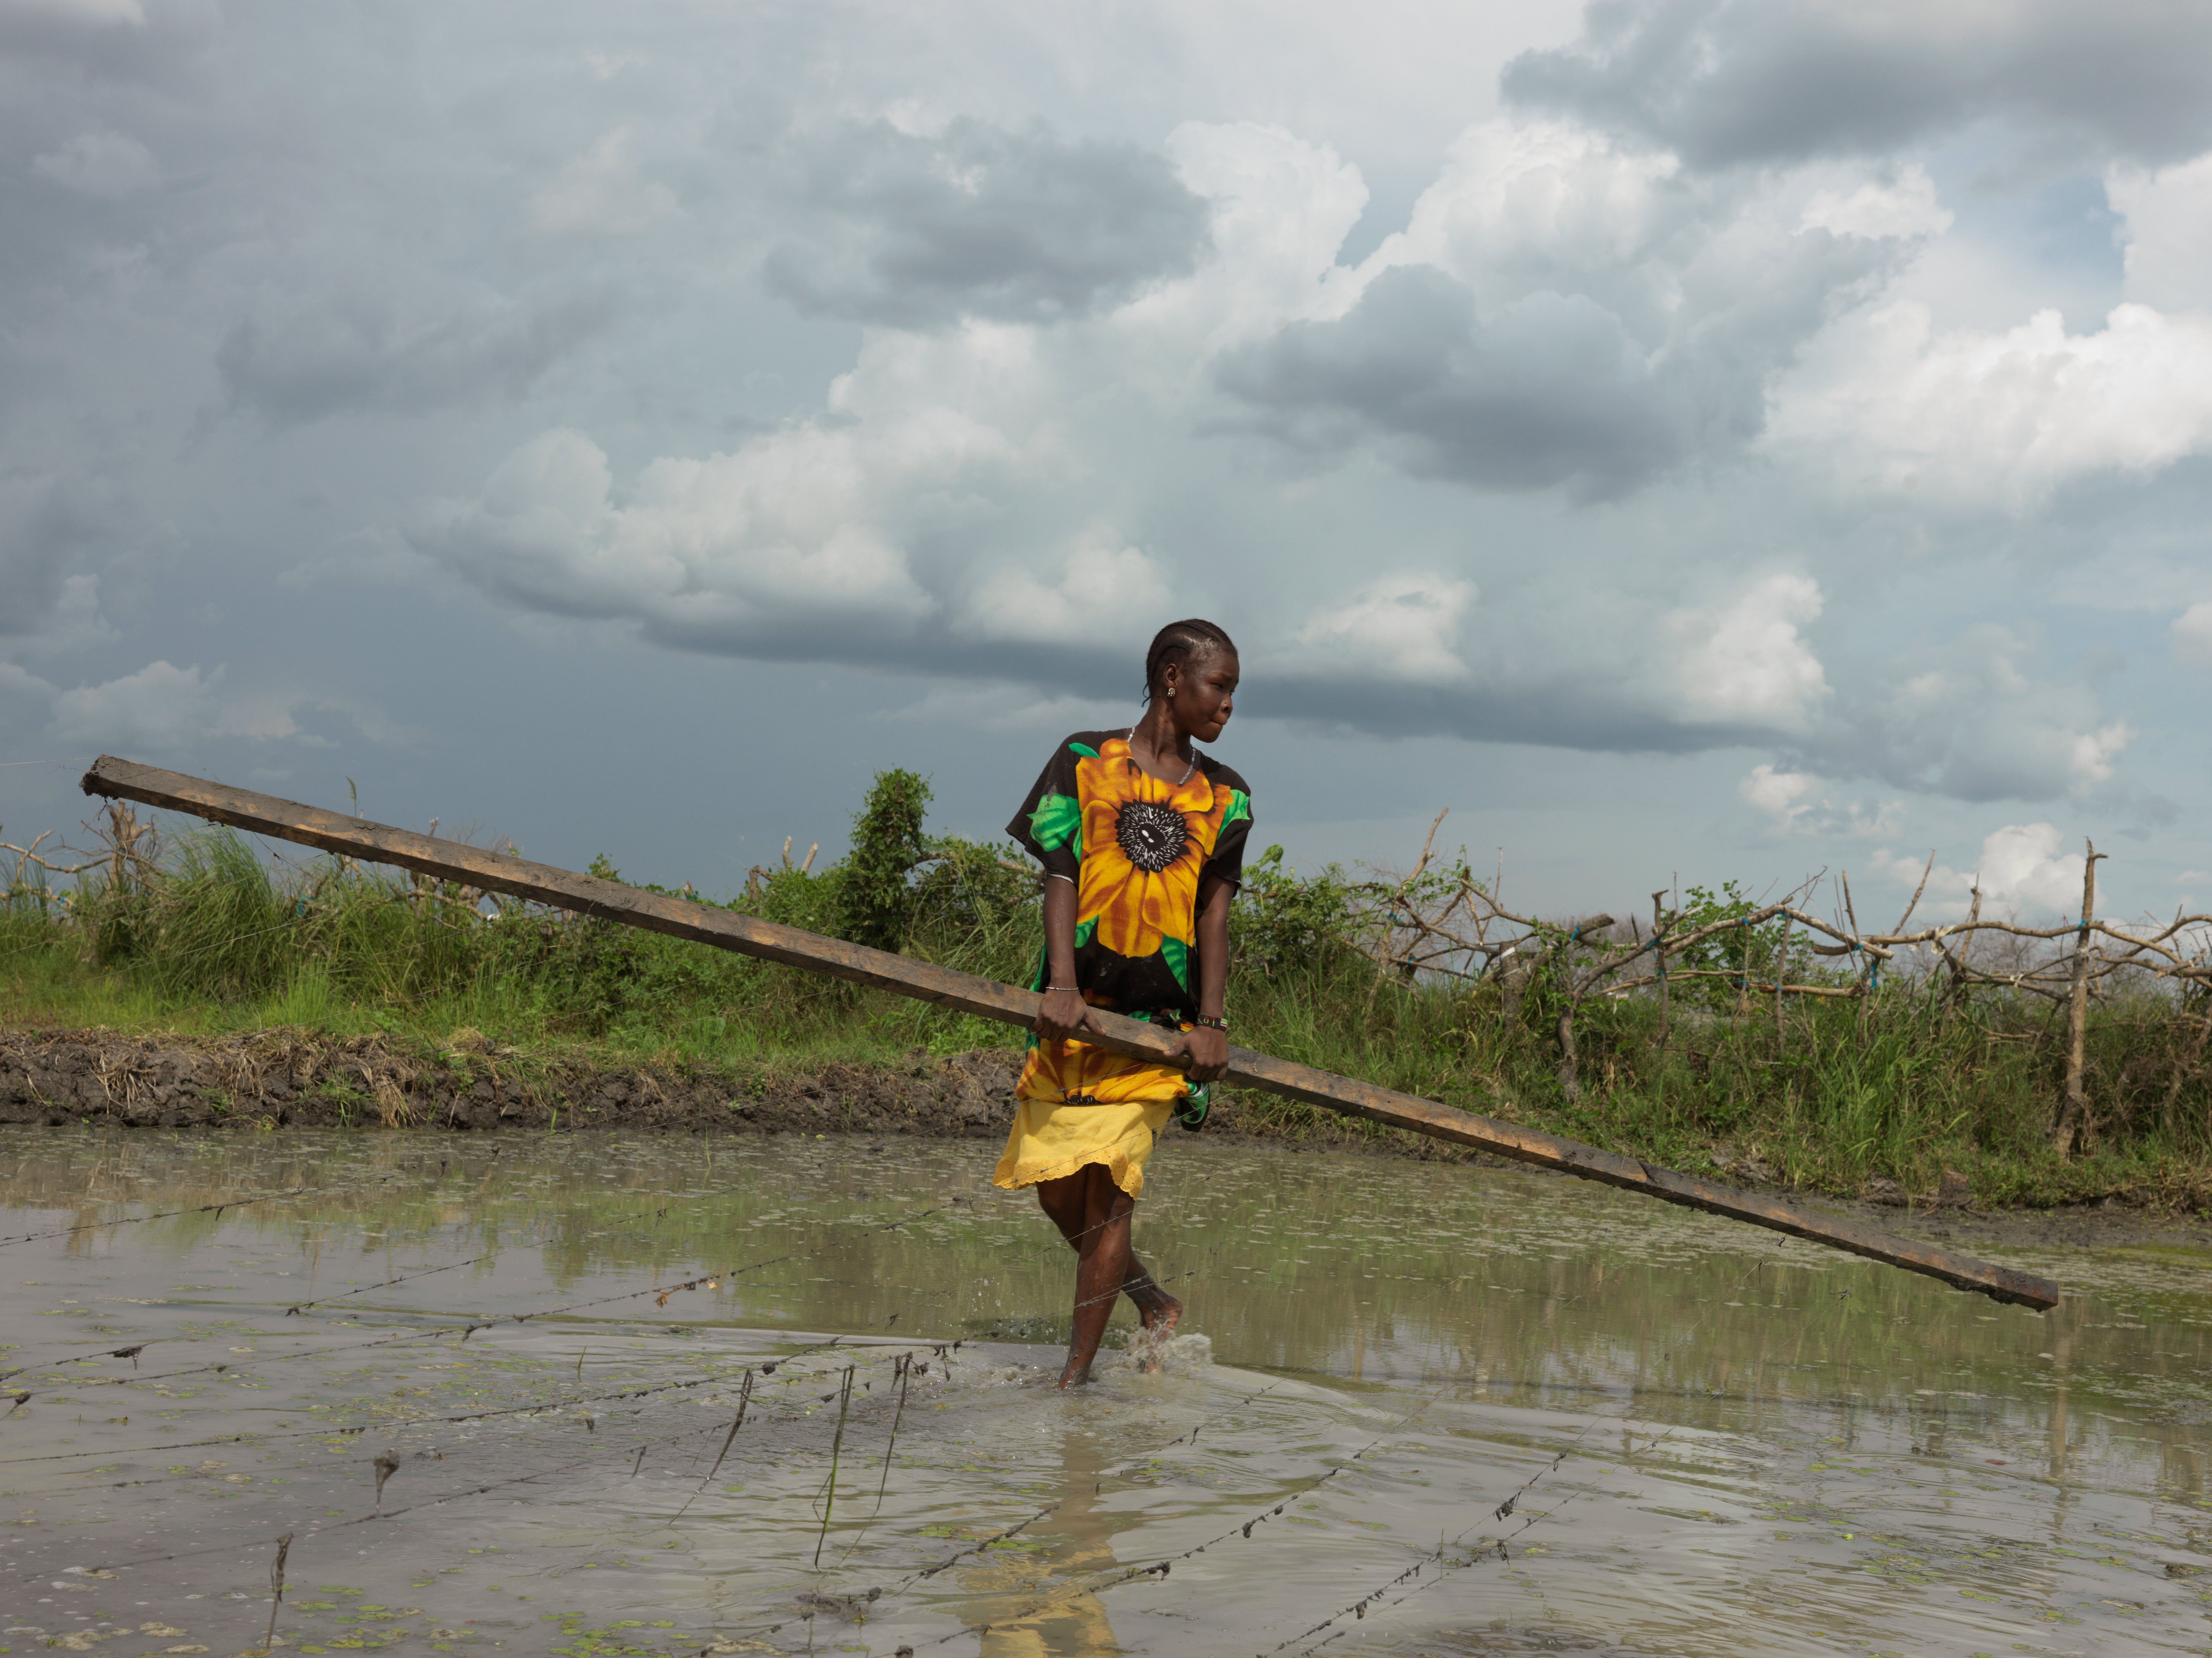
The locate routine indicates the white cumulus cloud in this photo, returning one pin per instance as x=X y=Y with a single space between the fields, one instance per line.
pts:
x=1746 y=662
x=2023 y=871
x=1533 y=196
x=1404 y=628
x=2004 y=419
x=2094 y=752
x=790 y=533
x=1281 y=207
x=1798 y=801
x=2168 y=237
x=1782 y=795
x=1101 y=590
x=2191 y=634
x=1904 y=206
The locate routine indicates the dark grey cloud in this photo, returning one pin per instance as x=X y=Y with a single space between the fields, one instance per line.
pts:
x=1988 y=716
x=301 y=359
x=1016 y=227
x=43 y=525
x=1724 y=81
x=1552 y=710
x=358 y=230
x=138 y=41
x=1550 y=389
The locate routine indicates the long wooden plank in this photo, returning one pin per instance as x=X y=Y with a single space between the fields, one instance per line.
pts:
x=587 y=895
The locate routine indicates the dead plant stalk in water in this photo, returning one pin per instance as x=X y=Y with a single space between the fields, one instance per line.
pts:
x=836 y=1445
x=745 y=1397
x=276 y=1583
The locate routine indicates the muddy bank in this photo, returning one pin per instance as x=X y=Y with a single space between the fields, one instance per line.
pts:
x=287 y=1078
x=293 y=1078
x=296 y=1078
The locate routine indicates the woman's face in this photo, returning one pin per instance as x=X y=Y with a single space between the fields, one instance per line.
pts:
x=1205 y=692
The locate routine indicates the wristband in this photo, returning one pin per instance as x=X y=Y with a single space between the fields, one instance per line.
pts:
x=1210 y=1023
x=1078 y=989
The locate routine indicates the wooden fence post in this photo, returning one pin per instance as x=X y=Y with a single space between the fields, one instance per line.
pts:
x=1781 y=963
x=1860 y=961
x=1956 y=998
x=1743 y=968
x=2074 y=1108
x=1570 y=1083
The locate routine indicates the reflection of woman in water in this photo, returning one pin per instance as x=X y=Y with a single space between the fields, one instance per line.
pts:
x=1142 y=839
x=1079 y=1541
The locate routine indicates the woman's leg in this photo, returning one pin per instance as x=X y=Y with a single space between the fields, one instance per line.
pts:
x=1102 y=1268
x=1064 y=1202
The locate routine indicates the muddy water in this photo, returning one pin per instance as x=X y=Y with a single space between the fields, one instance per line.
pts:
x=1711 y=1440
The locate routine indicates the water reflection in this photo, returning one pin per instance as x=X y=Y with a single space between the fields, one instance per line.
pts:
x=1720 y=1439
x=1075 y=1542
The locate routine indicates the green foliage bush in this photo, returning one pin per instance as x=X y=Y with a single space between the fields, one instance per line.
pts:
x=875 y=884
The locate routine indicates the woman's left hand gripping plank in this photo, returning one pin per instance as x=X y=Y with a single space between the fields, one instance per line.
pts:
x=1203 y=1050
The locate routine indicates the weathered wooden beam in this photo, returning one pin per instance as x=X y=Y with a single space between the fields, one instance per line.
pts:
x=611 y=900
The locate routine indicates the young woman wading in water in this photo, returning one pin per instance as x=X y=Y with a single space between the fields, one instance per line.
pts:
x=1142 y=839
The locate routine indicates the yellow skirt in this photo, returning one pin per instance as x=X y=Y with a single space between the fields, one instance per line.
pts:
x=1125 y=1105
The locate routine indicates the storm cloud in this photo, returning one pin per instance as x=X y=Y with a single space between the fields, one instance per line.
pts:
x=288 y=361
x=918 y=230
x=1800 y=410
x=1561 y=311
x=1729 y=82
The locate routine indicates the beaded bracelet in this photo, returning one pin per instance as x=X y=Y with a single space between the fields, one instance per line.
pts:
x=1210 y=1022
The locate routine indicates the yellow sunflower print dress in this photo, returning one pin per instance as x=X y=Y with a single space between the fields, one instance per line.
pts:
x=1137 y=850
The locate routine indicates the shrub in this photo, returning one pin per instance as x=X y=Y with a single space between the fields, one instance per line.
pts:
x=875 y=884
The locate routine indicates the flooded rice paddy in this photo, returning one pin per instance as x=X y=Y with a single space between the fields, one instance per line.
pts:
x=1414 y=1410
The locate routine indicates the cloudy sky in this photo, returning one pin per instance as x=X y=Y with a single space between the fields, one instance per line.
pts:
x=1722 y=438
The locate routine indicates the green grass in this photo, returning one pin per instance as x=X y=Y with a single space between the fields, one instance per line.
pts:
x=212 y=939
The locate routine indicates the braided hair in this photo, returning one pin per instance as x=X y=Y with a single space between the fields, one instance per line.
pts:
x=1178 y=642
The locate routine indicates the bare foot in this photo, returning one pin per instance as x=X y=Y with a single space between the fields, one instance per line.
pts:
x=1162 y=1316
x=1161 y=1312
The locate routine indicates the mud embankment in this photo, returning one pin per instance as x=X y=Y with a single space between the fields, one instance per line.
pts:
x=291 y=1078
